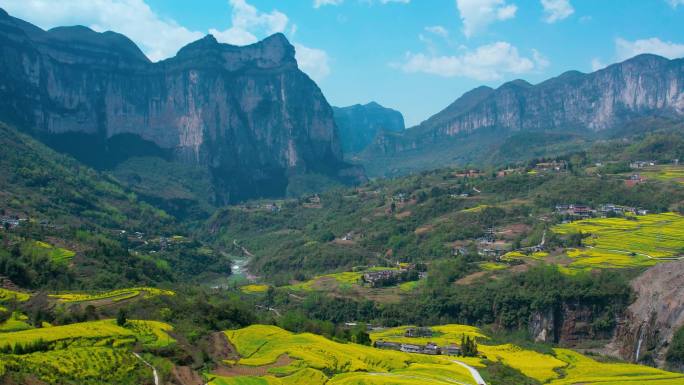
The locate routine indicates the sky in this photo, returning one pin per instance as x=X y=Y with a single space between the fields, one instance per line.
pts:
x=416 y=56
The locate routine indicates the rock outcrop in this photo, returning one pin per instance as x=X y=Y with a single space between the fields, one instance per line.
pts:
x=644 y=333
x=246 y=113
x=358 y=125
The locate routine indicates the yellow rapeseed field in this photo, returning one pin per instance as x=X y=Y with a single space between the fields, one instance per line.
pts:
x=353 y=364
x=626 y=242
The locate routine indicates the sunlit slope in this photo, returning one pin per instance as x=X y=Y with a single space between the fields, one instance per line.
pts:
x=316 y=360
x=623 y=242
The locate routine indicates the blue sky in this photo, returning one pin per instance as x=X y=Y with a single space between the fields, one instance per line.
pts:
x=413 y=55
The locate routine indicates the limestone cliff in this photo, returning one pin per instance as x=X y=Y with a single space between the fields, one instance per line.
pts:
x=646 y=85
x=248 y=114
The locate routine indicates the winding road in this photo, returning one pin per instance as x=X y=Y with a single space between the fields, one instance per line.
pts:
x=473 y=372
x=154 y=370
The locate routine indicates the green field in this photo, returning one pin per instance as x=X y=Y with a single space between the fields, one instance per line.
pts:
x=317 y=361
x=626 y=242
x=56 y=254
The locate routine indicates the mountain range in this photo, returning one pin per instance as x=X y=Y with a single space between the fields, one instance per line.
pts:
x=485 y=124
x=246 y=117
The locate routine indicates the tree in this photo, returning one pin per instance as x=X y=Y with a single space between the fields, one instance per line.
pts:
x=360 y=336
x=121 y=317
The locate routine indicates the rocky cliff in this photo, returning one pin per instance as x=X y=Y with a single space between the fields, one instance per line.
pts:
x=644 y=333
x=574 y=102
x=359 y=124
x=248 y=114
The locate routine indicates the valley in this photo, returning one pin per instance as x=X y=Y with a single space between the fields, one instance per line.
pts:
x=208 y=217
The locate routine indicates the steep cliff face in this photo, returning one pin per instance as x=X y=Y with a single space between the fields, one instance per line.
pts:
x=585 y=104
x=359 y=124
x=246 y=113
x=643 y=335
x=644 y=85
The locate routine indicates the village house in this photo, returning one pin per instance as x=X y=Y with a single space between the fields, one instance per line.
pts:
x=399 y=198
x=430 y=348
x=551 y=166
x=375 y=277
x=9 y=222
x=642 y=163
x=380 y=344
x=575 y=210
x=451 y=350
x=419 y=332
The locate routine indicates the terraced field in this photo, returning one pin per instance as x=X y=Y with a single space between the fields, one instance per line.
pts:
x=317 y=361
x=56 y=254
x=112 y=296
x=627 y=242
x=666 y=173
x=9 y=295
x=86 y=353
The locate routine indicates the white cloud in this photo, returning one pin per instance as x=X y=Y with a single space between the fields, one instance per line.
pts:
x=247 y=22
x=320 y=3
x=487 y=62
x=540 y=60
x=626 y=49
x=438 y=30
x=315 y=62
x=597 y=64
x=675 y=3
x=478 y=14
x=556 y=10
x=395 y=1
x=161 y=38
x=158 y=37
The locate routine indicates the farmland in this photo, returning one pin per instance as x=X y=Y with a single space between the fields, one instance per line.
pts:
x=626 y=242
x=317 y=360
x=112 y=296
x=85 y=353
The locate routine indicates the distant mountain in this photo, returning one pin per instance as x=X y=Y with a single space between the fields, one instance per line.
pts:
x=572 y=107
x=246 y=115
x=359 y=124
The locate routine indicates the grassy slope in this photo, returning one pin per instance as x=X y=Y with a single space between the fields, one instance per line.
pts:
x=43 y=184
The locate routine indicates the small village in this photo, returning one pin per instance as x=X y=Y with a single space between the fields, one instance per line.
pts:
x=428 y=348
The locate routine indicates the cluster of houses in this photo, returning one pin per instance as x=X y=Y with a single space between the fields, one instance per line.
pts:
x=551 y=166
x=10 y=222
x=429 y=348
x=489 y=247
x=642 y=164
x=584 y=211
x=380 y=277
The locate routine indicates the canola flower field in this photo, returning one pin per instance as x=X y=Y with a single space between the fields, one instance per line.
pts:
x=114 y=295
x=316 y=360
x=86 y=352
x=626 y=242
